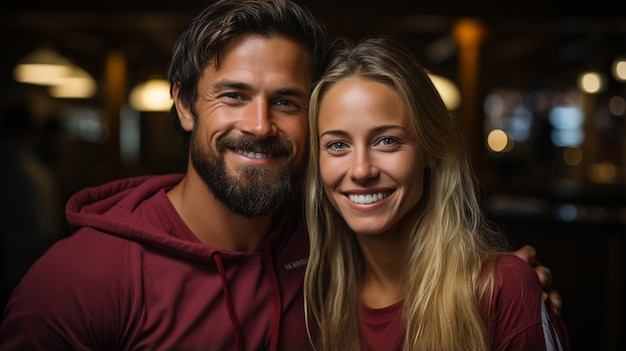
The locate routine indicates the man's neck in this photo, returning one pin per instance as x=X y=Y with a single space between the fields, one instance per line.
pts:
x=212 y=222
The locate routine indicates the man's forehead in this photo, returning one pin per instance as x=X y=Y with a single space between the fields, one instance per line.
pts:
x=258 y=61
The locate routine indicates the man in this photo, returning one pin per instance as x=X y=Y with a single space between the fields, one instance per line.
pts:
x=213 y=259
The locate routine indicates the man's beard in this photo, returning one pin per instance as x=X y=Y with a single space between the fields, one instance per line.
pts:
x=255 y=191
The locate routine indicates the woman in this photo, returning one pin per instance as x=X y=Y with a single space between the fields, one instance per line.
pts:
x=401 y=256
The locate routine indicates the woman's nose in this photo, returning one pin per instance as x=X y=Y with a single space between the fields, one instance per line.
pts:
x=362 y=168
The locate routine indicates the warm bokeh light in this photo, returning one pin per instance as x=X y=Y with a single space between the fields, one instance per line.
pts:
x=42 y=67
x=572 y=156
x=76 y=87
x=76 y=84
x=47 y=67
x=619 y=69
x=448 y=90
x=499 y=141
x=39 y=74
x=617 y=106
x=469 y=32
x=604 y=172
x=591 y=82
x=152 y=95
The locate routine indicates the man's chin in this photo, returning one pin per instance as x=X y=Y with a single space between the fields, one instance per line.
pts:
x=261 y=176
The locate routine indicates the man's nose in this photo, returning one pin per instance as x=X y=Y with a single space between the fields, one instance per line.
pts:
x=258 y=121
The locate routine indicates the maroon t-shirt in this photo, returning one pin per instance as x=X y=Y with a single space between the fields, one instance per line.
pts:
x=518 y=318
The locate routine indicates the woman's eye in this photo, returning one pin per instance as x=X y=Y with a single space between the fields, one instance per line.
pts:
x=387 y=141
x=336 y=145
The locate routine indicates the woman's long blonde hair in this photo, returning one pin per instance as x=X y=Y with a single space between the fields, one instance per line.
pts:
x=450 y=242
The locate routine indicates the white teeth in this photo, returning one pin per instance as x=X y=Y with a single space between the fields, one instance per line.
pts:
x=253 y=154
x=368 y=199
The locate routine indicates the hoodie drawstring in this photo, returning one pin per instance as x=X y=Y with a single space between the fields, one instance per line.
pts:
x=234 y=321
x=268 y=263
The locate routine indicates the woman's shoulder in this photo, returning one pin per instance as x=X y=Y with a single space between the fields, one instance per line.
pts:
x=514 y=313
x=509 y=261
x=514 y=274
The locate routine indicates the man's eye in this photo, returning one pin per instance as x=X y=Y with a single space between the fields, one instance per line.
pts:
x=285 y=102
x=232 y=95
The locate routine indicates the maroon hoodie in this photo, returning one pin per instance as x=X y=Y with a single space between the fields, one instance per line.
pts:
x=132 y=276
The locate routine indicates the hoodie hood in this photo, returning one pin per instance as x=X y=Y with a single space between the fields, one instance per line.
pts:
x=133 y=209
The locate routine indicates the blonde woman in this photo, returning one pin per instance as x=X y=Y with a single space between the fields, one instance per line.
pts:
x=401 y=257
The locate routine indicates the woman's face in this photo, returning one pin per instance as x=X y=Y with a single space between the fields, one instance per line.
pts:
x=371 y=166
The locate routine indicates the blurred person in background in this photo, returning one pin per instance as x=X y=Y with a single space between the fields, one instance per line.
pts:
x=31 y=215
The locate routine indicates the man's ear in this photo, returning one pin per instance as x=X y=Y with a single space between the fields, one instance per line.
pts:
x=185 y=116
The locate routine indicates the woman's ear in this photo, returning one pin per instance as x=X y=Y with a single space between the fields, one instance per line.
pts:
x=185 y=116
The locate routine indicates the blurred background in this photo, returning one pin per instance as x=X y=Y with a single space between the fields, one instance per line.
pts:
x=539 y=89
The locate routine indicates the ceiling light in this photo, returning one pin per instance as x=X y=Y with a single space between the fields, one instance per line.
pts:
x=76 y=84
x=151 y=95
x=41 y=67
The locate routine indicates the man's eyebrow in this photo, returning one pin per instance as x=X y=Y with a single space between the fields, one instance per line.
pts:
x=237 y=85
x=293 y=92
x=230 y=84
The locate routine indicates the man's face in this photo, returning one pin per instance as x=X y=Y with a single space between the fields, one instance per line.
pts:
x=250 y=132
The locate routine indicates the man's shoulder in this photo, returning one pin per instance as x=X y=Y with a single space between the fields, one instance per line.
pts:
x=85 y=255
